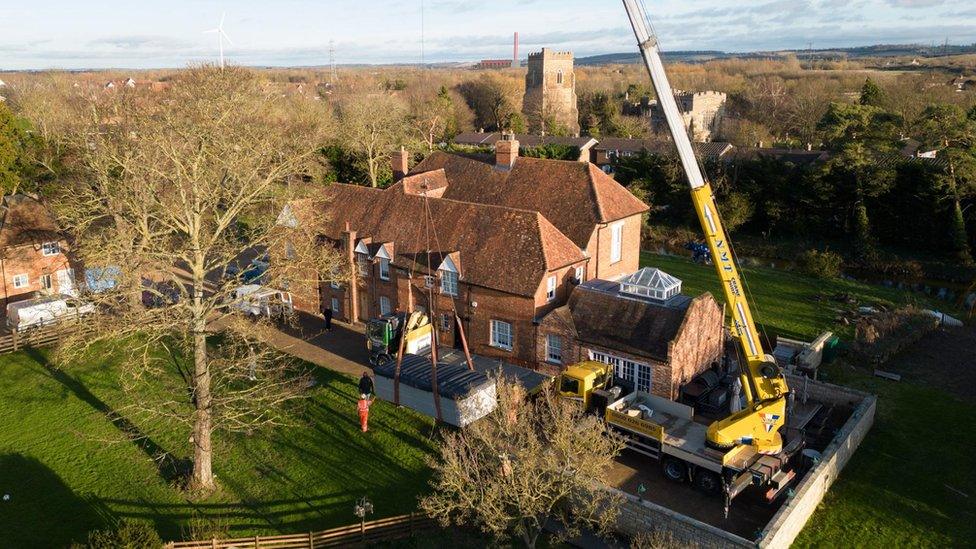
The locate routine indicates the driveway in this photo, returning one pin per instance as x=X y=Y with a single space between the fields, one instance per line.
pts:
x=343 y=349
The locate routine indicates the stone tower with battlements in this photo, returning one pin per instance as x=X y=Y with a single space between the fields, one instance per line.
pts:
x=550 y=92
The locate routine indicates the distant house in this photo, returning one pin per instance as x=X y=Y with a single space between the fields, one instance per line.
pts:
x=656 y=338
x=610 y=149
x=527 y=141
x=33 y=252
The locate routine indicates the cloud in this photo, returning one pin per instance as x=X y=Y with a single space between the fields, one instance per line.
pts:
x=140 y=42
x=911 y=4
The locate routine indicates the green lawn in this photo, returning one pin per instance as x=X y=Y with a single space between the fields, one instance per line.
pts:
x=898 y=490
x=68 y=468
x=787 y=302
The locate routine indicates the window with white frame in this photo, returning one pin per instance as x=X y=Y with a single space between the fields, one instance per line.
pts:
x=580 y=274
x=447 y=322
x=626 y=370
x=501 y=334
x=384 y=305
x=50 y=248
x=20 y=281
x=554 y=349
x=363 y=262
x=449 y=283
x=335 y=305
x=46 y=281
x=616 y=242
x=384 y=268
x=551 y=288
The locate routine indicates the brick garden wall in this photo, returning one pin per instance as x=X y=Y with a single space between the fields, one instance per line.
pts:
x=644 y=516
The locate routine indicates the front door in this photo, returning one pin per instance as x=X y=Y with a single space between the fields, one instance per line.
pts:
x=66 y=282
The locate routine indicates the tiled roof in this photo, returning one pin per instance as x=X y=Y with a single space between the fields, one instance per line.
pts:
x=574 y=196
x=525 y=140
x=503 y=248
x=603 y=317
x=715 y=149
x=25 y=220
x=798 y=157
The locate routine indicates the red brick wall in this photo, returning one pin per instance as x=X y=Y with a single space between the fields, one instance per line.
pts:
x=564 y=286
x=599 y=247
x=29 y=259
x=699 y=341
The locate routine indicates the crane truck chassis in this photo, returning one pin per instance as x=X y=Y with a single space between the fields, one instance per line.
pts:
x=666 y=431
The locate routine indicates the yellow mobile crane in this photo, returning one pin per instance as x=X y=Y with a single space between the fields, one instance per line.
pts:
x=763 y=383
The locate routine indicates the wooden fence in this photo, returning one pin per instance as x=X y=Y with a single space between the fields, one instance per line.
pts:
x=375 y=531
x=11 y=342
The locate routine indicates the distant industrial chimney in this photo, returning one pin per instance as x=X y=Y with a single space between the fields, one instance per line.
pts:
x=515 y=59
x=506 y=152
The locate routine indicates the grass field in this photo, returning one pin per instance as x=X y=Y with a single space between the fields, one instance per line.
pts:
x=902 y=487
x=787 y=302
x=68 y=468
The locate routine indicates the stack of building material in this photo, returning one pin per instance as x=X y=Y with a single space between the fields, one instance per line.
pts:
x=465 y=396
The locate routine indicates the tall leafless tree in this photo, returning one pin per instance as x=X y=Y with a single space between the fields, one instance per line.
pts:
x=175 y=186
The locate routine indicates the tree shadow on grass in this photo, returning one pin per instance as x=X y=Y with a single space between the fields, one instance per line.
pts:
x=37 y=499
x=170 y=467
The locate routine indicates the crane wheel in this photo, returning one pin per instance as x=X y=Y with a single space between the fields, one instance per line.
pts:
x=674 y=469
x=708 y=482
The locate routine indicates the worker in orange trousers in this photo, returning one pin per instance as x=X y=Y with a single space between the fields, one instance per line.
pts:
x=363 y=407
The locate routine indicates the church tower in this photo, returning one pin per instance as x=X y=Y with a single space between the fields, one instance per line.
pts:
x=550 y=91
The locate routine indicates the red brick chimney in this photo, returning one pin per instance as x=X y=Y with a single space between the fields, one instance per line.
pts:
x=506 y=151
x=401 y=164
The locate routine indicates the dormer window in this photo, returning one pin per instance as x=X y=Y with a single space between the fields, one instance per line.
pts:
x=362 y=261
x=449 y=283
x=384 y=269
x=551 y=288
x=50 y=248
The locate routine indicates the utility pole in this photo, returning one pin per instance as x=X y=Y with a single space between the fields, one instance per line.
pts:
x=334 y=75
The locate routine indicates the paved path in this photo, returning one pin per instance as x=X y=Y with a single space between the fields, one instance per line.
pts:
x=343 y=349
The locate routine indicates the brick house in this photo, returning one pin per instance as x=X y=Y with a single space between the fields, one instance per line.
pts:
x=33 y=258
x=656 y=338
x=511 y=237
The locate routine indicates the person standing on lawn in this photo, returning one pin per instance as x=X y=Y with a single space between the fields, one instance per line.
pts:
x=363 y=407
x=366 y=384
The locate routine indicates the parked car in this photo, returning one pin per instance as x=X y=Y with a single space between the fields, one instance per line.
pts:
x=159 y=294
x=44 y=311
x=257 y=300
x=252 y=273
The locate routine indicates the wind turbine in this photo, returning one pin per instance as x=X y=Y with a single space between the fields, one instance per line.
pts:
x=221 y=35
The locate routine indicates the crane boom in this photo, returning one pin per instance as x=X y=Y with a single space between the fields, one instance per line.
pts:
x=763 y=383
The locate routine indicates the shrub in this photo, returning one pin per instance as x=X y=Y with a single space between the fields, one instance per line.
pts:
x=125 y=535
x=825 y=264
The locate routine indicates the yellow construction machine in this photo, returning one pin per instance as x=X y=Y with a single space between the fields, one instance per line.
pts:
x=384 y=334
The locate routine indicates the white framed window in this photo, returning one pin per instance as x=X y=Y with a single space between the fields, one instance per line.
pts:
x=630 y=371
x=46 y=281
x=335 y=305
x=554 y=349
x=580 y=274
x=384 y=305
x=20 y=281
x=384 y=269
x=363 y=262
x=550 y=288
x=447 y=322
x=616 y=242
x=501 y=335
x=50 y=248
x=449 y=283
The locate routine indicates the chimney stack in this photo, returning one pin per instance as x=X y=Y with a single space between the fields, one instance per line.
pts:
x=400 y=161
x=515 y=57
x=506 y=151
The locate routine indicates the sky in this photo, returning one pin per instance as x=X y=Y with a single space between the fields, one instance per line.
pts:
x=76 y=34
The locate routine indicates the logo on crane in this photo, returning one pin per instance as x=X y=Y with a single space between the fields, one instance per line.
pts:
x=769 y=420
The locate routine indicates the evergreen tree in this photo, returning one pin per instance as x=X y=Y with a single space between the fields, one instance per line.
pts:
x=871 y=94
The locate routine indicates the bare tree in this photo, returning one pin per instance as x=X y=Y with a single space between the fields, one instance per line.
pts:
x=373 y=125
x=524 y=464
x=175 y=187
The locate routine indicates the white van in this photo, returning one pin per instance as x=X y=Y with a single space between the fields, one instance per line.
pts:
x=256 y=300
x=44 y=311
